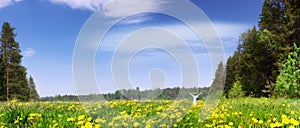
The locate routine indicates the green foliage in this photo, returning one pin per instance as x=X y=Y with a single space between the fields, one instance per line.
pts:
x=287 y=83
x=236 y=91
x=219 y=80
x=232 y=68
x=262 y=52
x=33 y=95
x=244 y=112
x=14 y=84
x=156 y=94
x=256 y=62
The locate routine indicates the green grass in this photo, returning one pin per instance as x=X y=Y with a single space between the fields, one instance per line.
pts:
x=245 y=112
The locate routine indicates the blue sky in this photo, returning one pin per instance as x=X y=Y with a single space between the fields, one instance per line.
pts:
x=47 y=31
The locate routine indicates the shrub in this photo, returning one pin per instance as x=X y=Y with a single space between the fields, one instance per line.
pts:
x=236 y=90
x=287 y=82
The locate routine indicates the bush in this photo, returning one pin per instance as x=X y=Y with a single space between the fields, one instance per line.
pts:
x=287 y=82
x=236 y=90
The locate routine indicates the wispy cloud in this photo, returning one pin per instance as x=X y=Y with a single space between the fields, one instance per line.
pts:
x=228 y=33
x=121 y=8
x=4 y=3
x=92 y=5
x=29 y=52
x=136 y=19
x=116 y=8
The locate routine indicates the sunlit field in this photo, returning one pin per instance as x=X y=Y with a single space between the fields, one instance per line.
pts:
x=247 y=112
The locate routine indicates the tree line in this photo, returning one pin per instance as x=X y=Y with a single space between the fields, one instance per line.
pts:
x=135 y=94
x=266 y=61
x=14 y=84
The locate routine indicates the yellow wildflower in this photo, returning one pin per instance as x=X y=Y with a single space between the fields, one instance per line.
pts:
x=81 y=117
x=70 y=119
x=135 y=124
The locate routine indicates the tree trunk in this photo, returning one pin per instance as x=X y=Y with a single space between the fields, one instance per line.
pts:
x=7 y=87
x=30 y=93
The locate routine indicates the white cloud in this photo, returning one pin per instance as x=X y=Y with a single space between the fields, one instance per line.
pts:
x=29 y=52
x=116 y=8
x=113 y=8
x=4 y=3
x=92 y=5
x=121 y=8
x=135 y=19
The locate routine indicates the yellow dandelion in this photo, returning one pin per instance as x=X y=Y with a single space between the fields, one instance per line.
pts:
x=294 y=122
x=175 y=125
x=97 y=125
x=208 y=125
x=88 y=125
x=292 y=112
x=135 y=124
x=30 y=118
x=81 y=117
x=254 y=120
x=70 y=119
x=260 y=122
x=80 y=122
x=89 y=119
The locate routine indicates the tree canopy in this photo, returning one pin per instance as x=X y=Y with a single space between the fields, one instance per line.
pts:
x=13 y=81
x=263 y=51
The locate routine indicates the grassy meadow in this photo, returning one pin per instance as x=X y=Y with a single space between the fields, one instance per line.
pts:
x=245 y=112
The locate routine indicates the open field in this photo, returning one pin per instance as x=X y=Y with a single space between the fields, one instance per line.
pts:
x=246 y=112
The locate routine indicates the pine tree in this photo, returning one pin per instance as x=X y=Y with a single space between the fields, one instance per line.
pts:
x=256 y=62
x=14 y=74
x=292 y=21
x=232 y=71
x=282 y=19
x=2 y=87
x=33 y=95
x=266 y=50
x=219 y=80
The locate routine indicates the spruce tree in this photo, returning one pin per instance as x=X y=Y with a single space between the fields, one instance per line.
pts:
x=2 y=87
x=266 y=50
x=253 y=63
x=219 y=80
x=14 y=74
x=281 y=18
x=33 y=95
x=232 y=71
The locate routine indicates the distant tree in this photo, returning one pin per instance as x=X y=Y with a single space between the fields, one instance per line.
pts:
x=13 y=73
x=232 y=70
x=219 y=80
x=33 y=94
x=117 y=95
x=138 y=93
